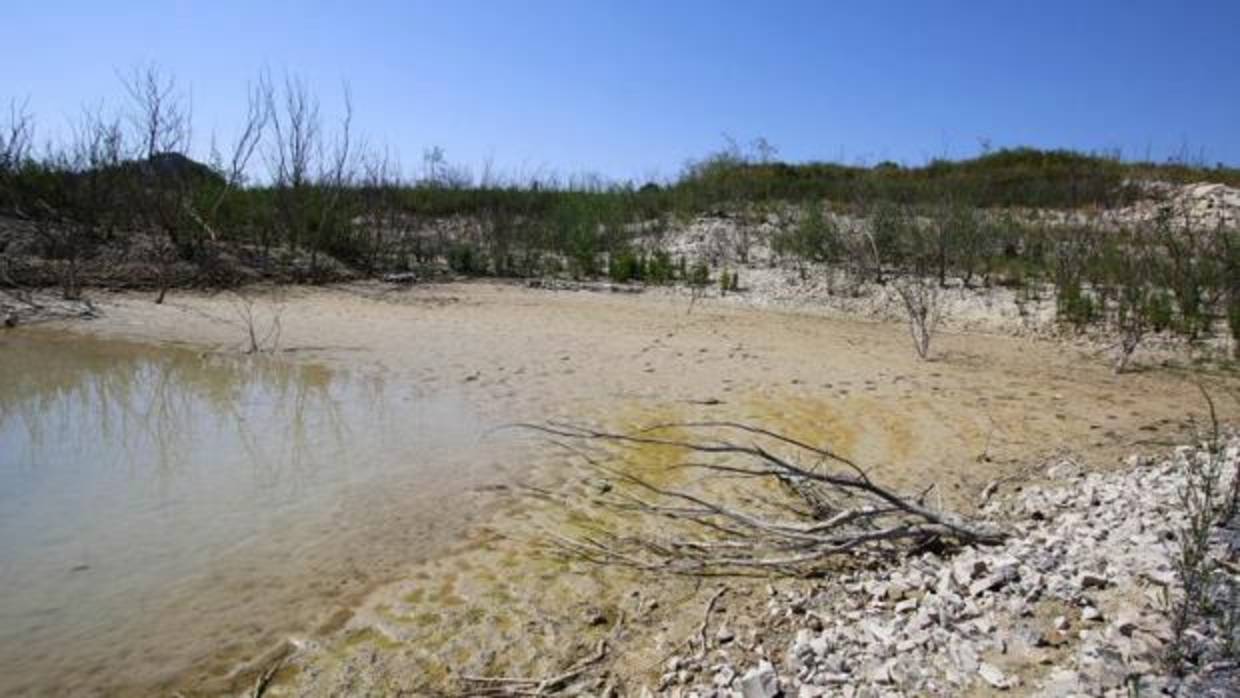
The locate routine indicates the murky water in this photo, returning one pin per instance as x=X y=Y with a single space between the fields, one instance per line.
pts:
x=157 y=505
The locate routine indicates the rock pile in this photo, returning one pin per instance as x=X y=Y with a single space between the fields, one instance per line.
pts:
x=1202 y=205
x=1078 y=602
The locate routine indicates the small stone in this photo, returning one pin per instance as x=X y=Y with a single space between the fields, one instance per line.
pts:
x=1126 y=622
x=993 y=676
x=724 y=635
x=1091 y=581
x=1089 y=613
x=882 y=673
x=760 y=682
x=967 y=568
x=1125 y=628
x=880 y=632
x=819 y=646
x=992 y=582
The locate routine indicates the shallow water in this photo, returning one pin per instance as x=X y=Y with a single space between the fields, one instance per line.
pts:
x=157 y=503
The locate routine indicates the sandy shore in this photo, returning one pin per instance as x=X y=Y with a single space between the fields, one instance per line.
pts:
x=483 y=598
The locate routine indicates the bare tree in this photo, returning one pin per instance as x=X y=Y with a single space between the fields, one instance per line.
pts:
x=234 y=166
x=160 y=121
x=295 y=124
x=16 y=138
x=336 y=174
x=309 y=175
x=160 y=116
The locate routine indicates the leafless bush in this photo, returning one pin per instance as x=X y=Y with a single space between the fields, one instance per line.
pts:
x=16 y=139
x=259 y=313
x=921 y=298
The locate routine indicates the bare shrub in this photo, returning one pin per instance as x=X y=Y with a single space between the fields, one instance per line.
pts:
x=16 y=140
x=259 y=314
x=921 y=299
x=1133 y=265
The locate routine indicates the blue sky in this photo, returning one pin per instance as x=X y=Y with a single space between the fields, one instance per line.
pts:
x=633 y=89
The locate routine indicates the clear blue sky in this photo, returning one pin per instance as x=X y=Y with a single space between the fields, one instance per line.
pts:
x=634 y=87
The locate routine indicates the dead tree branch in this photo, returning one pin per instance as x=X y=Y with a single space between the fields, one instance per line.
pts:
x=826 y=507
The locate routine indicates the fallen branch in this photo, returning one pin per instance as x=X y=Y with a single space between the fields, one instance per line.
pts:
x=710 y=607
x=263 y=682
x=826 y=507
x=513 y=686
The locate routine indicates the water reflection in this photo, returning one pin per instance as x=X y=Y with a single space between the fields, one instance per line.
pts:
x=125 y=468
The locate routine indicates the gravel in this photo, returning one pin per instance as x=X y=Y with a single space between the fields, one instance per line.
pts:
x=1078 y=602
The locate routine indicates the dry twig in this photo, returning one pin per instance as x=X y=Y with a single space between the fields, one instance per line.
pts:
x=515 y=686
x=710 y=607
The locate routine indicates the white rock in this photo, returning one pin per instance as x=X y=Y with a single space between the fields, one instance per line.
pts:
x=993 y=676
x=760 y=682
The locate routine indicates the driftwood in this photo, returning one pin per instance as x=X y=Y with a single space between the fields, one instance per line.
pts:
x=824 y=507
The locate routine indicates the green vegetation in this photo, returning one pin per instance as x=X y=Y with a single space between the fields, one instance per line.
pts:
x=815 y=238
x=1015 y=217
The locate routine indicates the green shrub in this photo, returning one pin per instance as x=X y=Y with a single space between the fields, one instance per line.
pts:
x=1073 y=305
x=699 y=275
x=625 y=266
x=1159 y=311
x=463 y=258
x=659 y=268
x=814 y=239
